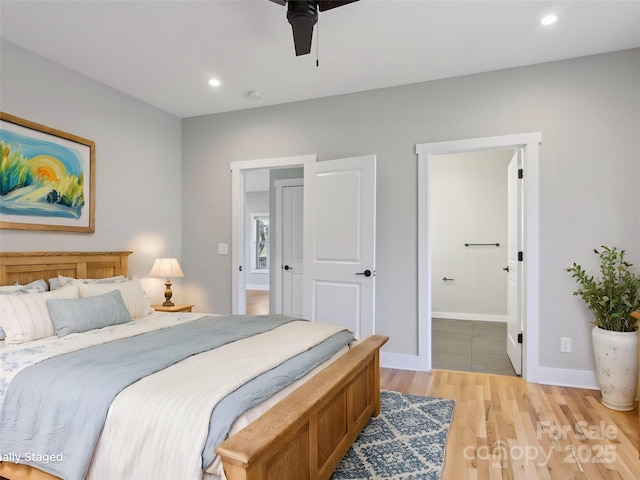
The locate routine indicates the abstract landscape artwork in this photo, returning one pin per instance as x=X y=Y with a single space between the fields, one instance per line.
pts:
x=47 y=178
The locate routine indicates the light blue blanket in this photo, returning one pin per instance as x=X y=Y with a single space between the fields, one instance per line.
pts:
x=262 y=387
x=35 y=426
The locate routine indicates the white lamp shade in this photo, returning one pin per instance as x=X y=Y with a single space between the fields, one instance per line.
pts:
x=166 y=268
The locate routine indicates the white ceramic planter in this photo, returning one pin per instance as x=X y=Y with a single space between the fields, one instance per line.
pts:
x=616 y=355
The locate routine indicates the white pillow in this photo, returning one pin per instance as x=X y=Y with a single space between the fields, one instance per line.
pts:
x=37 y=286
x=132 y=294
x=61 y=280
x=26 y=317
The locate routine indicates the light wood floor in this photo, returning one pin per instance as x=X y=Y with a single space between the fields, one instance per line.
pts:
x=505 y=428
x=257 y=302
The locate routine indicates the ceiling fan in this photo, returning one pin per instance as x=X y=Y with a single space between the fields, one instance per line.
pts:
x=303 y=15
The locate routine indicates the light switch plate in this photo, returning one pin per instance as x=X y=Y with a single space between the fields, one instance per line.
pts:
x=223 y=249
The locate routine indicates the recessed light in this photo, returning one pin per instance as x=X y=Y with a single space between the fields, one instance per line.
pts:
x=214 y=82
x=548 y=20
x=254 y=95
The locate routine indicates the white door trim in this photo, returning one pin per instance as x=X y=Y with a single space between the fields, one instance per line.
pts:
x=238 y=169
x=279 y=185
x=425 y=151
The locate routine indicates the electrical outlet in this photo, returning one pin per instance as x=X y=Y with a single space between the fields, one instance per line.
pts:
x=565 y=344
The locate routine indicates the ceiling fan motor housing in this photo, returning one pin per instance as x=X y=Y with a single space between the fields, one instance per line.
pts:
x=302 y=13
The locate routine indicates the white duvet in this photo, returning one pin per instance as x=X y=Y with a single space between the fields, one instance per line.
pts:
x=156 y=428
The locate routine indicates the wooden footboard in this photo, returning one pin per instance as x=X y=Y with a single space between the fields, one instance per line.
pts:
x=305 y=435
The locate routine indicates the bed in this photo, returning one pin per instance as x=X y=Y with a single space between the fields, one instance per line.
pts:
x=302 y=435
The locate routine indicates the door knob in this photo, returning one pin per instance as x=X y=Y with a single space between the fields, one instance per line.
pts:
x=506 y=269
x=366 y=273
x=287 y=267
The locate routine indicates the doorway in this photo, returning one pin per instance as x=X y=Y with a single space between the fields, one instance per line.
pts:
x=526 y=309
x=470 y=229
x=338 y=244
x=241 y=173
x=277 y=290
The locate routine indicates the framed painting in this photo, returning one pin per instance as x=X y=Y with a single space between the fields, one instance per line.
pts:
x=47 y=178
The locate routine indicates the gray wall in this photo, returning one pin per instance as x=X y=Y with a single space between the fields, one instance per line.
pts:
x=138 y=167
x=587 y=109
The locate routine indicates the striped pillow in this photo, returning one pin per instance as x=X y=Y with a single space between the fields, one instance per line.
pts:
x=37 y=286
x=132 y=294
x=75 y=315
x=26 y=317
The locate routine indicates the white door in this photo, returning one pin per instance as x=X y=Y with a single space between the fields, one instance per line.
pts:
x=292 y=254
x=514 y=318
x=339 y=243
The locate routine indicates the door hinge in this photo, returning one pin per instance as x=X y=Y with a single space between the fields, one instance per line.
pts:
x=520 y=337
x=520 y=173
x=240 y=268
x=520 y=256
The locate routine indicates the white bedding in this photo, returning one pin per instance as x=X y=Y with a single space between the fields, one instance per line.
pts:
x=162 y=436
x=14 y=358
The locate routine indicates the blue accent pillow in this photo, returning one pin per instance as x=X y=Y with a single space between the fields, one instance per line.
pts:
x=75 y=315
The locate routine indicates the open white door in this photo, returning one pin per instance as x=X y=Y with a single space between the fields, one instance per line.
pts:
x=292 y=249
x=339 y=243
x=514 y=317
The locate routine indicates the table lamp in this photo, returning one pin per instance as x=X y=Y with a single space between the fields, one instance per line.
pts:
x=166 y=268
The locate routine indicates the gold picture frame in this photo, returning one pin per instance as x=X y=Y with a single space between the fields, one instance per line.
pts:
x=47 y=178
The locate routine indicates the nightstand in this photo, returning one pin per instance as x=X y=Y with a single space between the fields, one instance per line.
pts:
x=176 y=308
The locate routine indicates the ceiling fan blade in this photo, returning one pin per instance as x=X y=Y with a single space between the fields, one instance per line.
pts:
x=302 y=16
x=324 y=5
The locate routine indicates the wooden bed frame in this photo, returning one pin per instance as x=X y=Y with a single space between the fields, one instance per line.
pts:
x=25 y=267
x=304 y=436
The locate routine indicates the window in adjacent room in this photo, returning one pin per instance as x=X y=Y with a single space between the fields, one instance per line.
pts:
x=260 y=257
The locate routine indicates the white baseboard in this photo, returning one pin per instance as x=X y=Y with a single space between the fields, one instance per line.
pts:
x=469 y=316
x=257 y=287
x=399 y=361
x=565 y=377
x=562 y=377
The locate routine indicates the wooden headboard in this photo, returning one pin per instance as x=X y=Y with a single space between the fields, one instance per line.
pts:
x=25 y=267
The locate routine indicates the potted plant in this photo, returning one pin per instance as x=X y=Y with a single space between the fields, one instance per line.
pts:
x=611 y=299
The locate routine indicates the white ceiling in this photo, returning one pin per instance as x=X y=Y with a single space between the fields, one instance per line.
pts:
x=164 y=52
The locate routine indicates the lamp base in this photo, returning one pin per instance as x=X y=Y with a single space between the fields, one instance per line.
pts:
x=167 y=294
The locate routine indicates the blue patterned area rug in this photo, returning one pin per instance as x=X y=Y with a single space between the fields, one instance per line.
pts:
x=406 y=442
